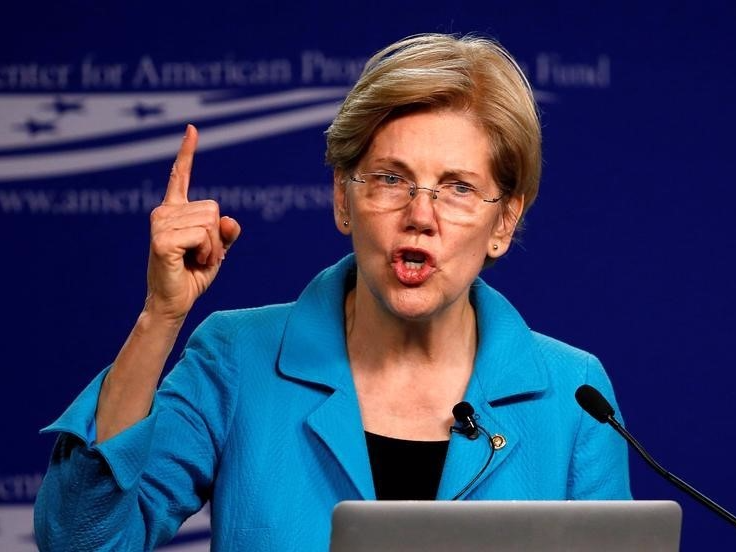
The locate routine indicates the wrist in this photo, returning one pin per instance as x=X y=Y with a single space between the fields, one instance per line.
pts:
x=154 y=327
x=158 y=316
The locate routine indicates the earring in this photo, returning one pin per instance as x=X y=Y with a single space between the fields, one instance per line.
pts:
x=495 y=246
x=346 y=222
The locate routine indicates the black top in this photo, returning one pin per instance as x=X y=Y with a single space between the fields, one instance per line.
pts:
x=405 y=470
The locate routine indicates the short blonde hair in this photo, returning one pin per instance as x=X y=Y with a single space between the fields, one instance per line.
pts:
x=430 y=71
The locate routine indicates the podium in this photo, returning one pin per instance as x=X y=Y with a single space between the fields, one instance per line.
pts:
x=506 y=526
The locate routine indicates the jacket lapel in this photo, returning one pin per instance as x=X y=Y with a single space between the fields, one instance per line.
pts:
x=507 y=369
x=338 y=424
x=313 y=351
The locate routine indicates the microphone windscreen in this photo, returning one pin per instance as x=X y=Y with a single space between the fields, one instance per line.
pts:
x=595 y=404
x=462 y=411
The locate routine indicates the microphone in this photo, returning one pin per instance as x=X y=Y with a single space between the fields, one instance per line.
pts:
x=595 y=404
x=463 y=413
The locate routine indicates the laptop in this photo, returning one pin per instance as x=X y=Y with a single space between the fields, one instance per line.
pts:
x=506 y=526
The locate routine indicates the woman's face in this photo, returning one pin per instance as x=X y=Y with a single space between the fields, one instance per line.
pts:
x=414 y=262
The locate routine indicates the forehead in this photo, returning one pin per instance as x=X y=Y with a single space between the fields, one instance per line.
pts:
x=435 y=141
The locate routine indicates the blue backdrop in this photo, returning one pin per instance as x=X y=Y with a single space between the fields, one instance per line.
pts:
x=627 y=252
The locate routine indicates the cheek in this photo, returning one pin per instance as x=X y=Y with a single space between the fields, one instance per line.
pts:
x=373 y=227
x=471 y=249
x=471 y=238
x=369 y=235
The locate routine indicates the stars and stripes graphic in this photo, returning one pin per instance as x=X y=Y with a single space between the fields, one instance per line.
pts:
x=49 y=135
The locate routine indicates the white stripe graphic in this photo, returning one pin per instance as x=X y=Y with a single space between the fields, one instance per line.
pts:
x=26 y=167
x=108 y=115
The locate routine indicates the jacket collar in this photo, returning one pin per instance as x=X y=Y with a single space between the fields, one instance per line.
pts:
x=313 y=350
x=313 y=347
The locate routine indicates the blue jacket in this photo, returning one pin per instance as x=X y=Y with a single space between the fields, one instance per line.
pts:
x=261 y=417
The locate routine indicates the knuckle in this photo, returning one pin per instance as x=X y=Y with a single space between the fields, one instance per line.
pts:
x=156 y=214
x=211 y=205
x=161 y=213
x=201 y=236
x=159 y=244
x=208 y=213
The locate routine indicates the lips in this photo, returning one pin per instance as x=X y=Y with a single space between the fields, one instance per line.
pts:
x=412 y=266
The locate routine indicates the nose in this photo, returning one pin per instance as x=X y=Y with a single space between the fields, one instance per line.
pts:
x=420 y=212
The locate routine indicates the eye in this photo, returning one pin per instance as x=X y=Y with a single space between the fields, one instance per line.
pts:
x=459 y=188
x=387 y=179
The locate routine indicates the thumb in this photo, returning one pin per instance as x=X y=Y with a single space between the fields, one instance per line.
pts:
x=229 y=231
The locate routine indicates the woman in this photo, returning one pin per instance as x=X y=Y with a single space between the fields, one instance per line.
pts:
x=276 y=414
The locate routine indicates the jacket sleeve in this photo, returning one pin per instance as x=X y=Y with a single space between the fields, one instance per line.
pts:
x=133 y=491
x=599 y=469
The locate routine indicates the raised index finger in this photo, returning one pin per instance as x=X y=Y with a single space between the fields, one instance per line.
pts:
x=178 y=187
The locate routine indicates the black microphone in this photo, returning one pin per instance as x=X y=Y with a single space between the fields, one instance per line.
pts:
x=595 y=404
x=464 y=413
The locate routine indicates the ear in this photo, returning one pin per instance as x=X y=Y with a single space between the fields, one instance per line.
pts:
x=340 y=202
x=504 y=227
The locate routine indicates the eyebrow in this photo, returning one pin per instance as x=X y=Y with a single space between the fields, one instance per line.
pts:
x=401 y=166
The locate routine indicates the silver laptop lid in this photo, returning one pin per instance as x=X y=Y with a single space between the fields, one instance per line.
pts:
x=506 y=526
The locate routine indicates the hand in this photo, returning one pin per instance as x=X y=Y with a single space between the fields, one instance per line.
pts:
x=188 y=242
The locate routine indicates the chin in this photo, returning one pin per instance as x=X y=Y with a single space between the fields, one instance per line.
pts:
x=414 y=306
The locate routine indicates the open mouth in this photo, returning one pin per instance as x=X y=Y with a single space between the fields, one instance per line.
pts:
x=412 y=266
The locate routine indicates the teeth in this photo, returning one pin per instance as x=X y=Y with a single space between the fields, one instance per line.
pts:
x=413 y=265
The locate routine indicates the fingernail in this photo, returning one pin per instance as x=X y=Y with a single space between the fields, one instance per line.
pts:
x=188 y=131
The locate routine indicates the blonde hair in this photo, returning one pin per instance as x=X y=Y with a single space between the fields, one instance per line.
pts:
x=431 y=71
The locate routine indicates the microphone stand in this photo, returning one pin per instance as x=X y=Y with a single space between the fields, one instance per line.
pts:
x=672 y=478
